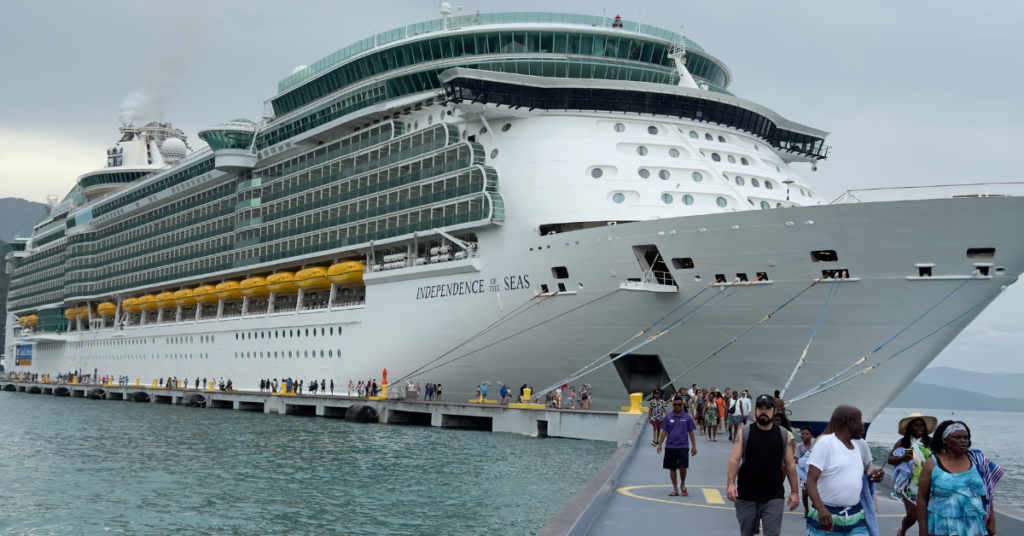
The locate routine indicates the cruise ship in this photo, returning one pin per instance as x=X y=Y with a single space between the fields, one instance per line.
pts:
x=507 y=198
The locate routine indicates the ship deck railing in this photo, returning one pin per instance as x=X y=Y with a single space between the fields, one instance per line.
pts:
x=944 y=191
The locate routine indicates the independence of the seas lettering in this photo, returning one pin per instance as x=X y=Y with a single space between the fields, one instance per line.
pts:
x=476 y=286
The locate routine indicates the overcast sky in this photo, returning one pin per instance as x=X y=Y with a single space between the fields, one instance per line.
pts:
x=914 y=93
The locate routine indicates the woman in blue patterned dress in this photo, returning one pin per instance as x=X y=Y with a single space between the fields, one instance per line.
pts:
x=956 y=486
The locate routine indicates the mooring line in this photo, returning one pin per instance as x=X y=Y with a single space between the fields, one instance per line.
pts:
x=832 y=291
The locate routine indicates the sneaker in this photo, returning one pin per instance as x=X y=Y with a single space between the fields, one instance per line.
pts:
x=653 y=444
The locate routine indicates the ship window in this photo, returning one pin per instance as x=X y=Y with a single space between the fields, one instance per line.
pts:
x=731 y=158
x=415 y=124
x=721 y=139
x=754 y=183
x=330 y=353
x=332 y=330
x=307 y=332
x=721 y=202
x=981 y=253
x=644 y=173
x=652 y=130
x=827 y=255
x=561 y=287
x=693 y=134
x=768 y=185
x=674 y=153
x=744 y=162
x=618 y=198
x=667 y=198
x=664 y=174
x=765 y=205
x=741 y=276
x=619 y=127
x=696 y=176
x=740 y=181
x=596 y=173
x=924 y=271
x=321 y=353
x=430 y=119
x=716 y=157
x=802 y=192
x=778 y=205
x=339 y=330
x=687 y=199
x=751 y=201
x=641 y=150
x=483 y=131
x=708 y=137
x=685 y=263
x=560 y=272
x=494 y=154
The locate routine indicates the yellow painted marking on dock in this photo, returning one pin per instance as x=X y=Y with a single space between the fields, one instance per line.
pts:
x=683 y=501
x=712 y=496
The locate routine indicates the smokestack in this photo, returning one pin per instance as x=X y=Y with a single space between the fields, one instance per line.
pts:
x=154 y=154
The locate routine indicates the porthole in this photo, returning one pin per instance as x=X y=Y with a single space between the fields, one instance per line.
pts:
x=321 y=353
x=664 y=174
x=507 y=127
x=731 y=158
x=687 y=199
x=618 y=198
x=307 y=332
x=755 y=183
x=465 y=134
x=494 y=154
x=644 y=173
x=765 y=205
x=716 y=157
x=802 y=192
x=740 y=181
x=708 y=137
x=642 y=151
x=696 y=176
x=652 y=130
x=415 y=124
x=777 y=169
x=768 y=185
x=744 y=162
x=430 y=119
x=674 y=153
x=619 y=127
x=330 y=353
x=596 y=172
x=693 y=134
x=721 y=139
x=721 y=202
x=666 y=198
x=751 y=201
x=483 y=131
x=332 y=330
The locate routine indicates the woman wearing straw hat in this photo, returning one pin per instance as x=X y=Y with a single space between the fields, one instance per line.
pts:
x=908 y=456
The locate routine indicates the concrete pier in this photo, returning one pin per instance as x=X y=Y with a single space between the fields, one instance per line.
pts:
x=490 y=417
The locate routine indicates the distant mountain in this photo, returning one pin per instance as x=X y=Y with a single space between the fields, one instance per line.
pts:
x=927 y=396
x=997 y=385
x=18 y=216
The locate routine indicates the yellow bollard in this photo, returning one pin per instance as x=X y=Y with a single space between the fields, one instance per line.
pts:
x=177 y=384
x=211 y=386
x=526 y=395
x=384 y=390
x=634 y=403
x=154 y=383
x=136 y=382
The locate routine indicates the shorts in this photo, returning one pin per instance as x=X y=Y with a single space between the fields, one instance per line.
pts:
x=767 y=515
x=846 y=521
x=744 y=420
x=656 y=424
x=676 y=459
x=734 y=420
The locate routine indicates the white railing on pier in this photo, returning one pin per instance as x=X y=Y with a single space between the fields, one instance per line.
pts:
x=946 y=191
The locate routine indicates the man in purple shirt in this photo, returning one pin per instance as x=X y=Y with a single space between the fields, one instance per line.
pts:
x=677 y=429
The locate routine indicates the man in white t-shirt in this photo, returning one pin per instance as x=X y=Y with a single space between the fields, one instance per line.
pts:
x=834 y=471
x=745 y=406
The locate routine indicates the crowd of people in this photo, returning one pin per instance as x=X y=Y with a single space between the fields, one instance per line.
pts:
x=946 y=487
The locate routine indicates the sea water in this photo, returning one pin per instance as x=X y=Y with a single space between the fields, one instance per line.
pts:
x=79 y=466
x=997 y=434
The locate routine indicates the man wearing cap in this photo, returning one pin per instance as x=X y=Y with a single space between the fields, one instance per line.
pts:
x=759 y=450
x=677 y=429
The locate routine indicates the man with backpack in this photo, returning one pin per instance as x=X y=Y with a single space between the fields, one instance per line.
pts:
x=759 y=452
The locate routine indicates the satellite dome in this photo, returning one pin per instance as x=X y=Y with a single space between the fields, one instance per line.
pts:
x=297 y=69
x=172 y=150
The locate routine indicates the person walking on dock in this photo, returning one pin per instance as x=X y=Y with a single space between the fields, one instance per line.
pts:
x=657 y=414
x=755 y=481
x=332 y=387
x=711 y=416
x=907 y=457
x=734 y=415
x=745 y=407
x=676 y=435
x=835 y=476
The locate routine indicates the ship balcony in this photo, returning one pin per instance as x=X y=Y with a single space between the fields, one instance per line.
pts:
x=232 y=144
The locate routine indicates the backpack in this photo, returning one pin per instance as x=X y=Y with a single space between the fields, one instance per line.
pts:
x=734 y=410
x=746 y=436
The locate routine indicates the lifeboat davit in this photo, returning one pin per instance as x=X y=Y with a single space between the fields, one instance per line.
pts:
x=23 y=319
x=107 y=308
x=254 y=287
x=313 y=279
x=229 y=290
x=131 y=305
x=165 y=300
x=148 y=303
x=82 y=313
x=69 y=314
x=31 y=320
x=346 y=274
x=282 y=283
x=205 y=294
x=184 y=298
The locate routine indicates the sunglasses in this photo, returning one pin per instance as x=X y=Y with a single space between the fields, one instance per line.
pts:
x=677 y=405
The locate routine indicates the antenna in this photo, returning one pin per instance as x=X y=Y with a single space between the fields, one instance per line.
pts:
x=677 y=51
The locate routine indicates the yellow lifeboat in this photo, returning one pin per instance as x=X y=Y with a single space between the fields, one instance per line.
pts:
x=165 y=300
x=229 y=290
x=313 y=279
x=255 y=287
x=131 y=305
x=282 y=283
x=23 y=319
x=346 y=274
x=31 y=320
x=205 y=294
x=148 y=303
x=184 y=298
x=107 y=308
x=69 y=314
x=82 y=313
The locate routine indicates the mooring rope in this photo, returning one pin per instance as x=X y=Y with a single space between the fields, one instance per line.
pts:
x=880 y=363
x=832 y=291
